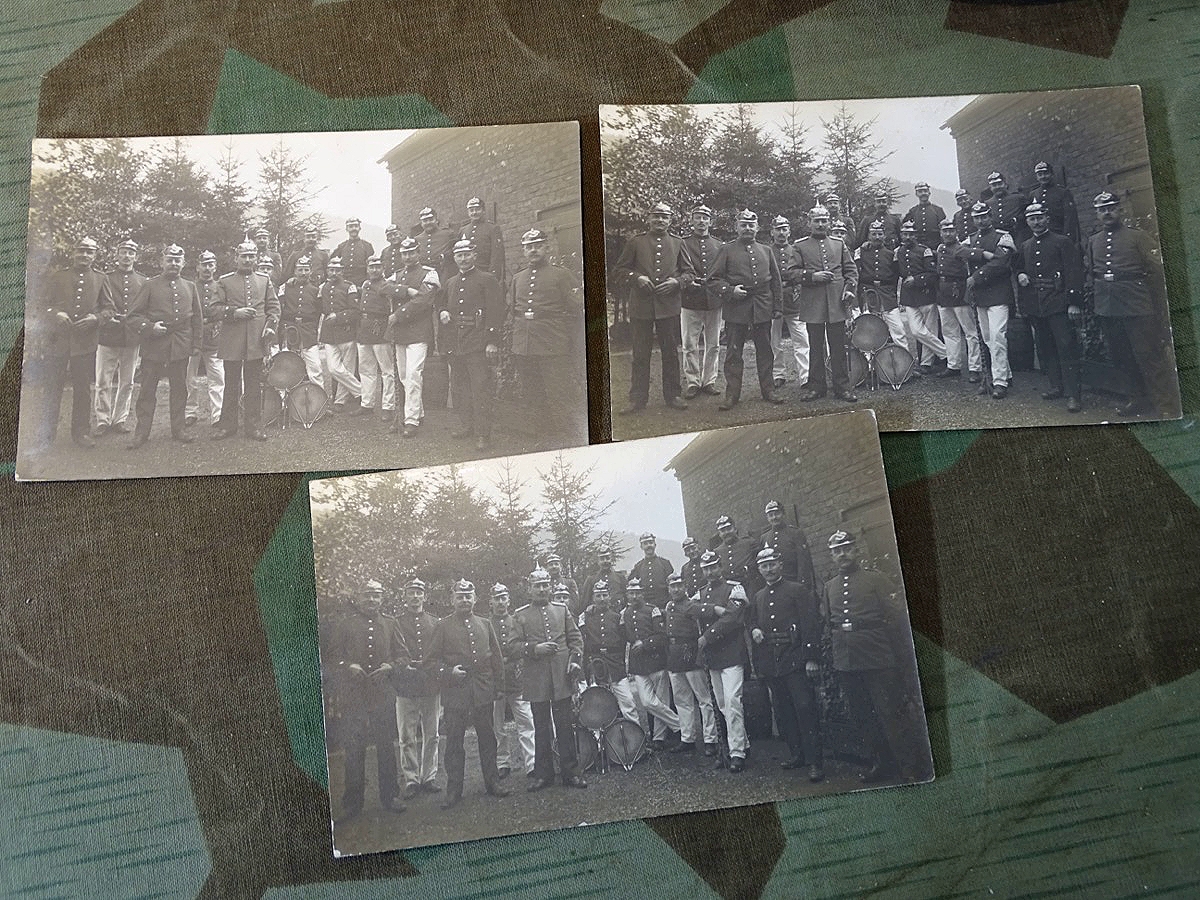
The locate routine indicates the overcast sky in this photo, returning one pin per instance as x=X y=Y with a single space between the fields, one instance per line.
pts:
x=909 y=126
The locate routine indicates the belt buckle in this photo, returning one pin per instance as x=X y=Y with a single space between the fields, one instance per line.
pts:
x=529 y=313
x=847 y=626
x=1108 y=276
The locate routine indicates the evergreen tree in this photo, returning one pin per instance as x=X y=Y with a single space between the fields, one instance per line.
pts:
x=571 y=513
x=852 y=159
x=285 y=192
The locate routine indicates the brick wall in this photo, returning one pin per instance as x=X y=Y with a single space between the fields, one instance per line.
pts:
x=1086 y=135
x=518 y=171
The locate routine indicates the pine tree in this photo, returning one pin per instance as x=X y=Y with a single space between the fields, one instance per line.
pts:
x=571 y=513
x=852 y=159
x=285 y=192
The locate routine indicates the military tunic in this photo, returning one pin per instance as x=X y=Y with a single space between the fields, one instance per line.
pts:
x=964 y=224
x=544 y=678
x=511 y=684
x=752 y=266
x=865 y=619
x=1060 y=208
x=489 y=246
x=992 y=278
x=604 y=639
x=1008 y=214
x=681 y=632
x=547 y=310
x=787 y=615
x=1124 y=271
x=789 y=272
x=920 y=264
x=354 y=253
x=391 y=259
x=653 y=572
x=724 y=636
x=413 y=316
x=318 y=261
x=927 y=219
x=416 y=628
x=645 y=623
x=658 y=257
x=693 y=580
x=702 y=252
x=1055 y=272
x=792 y=545
x=207 y=293
x=472 y=644
x=435 y=249
x=300 y=306
x=820 y=303
x=242 y=339
x=124 y=287
x=475 y=302
x=375 y=301
x=891 y=229
x=78 y=293
x=877 y=278
x=339 y=298
x=952 y=275
x=175 y=303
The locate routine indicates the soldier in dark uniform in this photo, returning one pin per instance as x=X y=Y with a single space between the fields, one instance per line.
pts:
x=466 y=660
x=550 y=647
x=700 y=310
x=721 y=648
x=689 y=683
x=554 y=565
x=205 y=370
x=960 y=328
x=548 y=341
x=390 y=255
x=70 y=311
x=891 y=223
x=436 y=244
x=615 y=580
x=652 y=571
x=300 y=308
x=376 y=353
x=471 y=314
x=518 y=733
x=834 y=204
x=318 y=259
x=117 y=349
x=1008 y=209
x=418 y=704
x=249 y=312
x=654 y=267
x=828 y=285
x=786 y=630
x=692 y=579
x=262 y=243
x=871 y=640
x=746 y=276
x=487 y=238
x=604 y=648
x=737 y=554
x=1124 y=274
x=1057 y=201
x=411 y=330
x=878 y=279
x=964 y=224
x=791 y=543
x=643 y=624
x=365 y=651
x=789 y=273
x=339 y=306
x=166 y=314
x=1050 y=293
x=917 y=266
x=989 y=253
x=926 y=217
x=354 y=253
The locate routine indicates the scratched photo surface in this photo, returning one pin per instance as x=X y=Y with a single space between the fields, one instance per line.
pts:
x=222 y=304
x=980 y=261
x=673 y=624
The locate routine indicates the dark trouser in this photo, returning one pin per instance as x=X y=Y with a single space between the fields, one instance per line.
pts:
x=561 y=410
x=79 y=370
x=818 y=332
x=1058 y=349
x=153 y=372
x=795 y=704
x=1141 y=348
x=642 y=333
x=370 y=719
x=735 y=339
x=563 y=731
x=470 y=387
x=876 y=701
x=457 y=719
x=236 y=371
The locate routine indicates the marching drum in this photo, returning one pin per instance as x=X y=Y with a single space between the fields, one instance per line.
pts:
x=587 y=749
x=598 y=708
x=859 y=367
x=870 y=333
x=307 y=403
x=893 y=364
x=272 y=406
x=624 y=742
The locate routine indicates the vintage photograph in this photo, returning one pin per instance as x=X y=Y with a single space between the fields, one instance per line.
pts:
x=983 y=261
x=661 y=626
x=302 y=302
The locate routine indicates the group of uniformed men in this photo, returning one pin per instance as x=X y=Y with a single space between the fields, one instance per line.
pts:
x=945 y=286
x=360 y=320
x=673 y=647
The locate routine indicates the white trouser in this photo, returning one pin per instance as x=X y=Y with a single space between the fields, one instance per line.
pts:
x=689 y=689
x=894 y=320
x=417 y=723
x=799 y=334
x=514 y=734
x=312 y=364
x=727 y=686
x=205 y=371
x=960 y=334
x=341 y=358
x=114 y=383
x=701 y=345
x=993 y=322
x=410 y=372
x=376 y=361
x=652 y=697
x=917 y=326
x=623 y=691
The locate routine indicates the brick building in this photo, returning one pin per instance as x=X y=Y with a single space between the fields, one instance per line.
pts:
x=526 y=175
x=1095 y=140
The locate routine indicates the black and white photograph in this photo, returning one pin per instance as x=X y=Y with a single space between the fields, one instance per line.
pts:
x=223 y=304
x=981 y=261
x=660 y=626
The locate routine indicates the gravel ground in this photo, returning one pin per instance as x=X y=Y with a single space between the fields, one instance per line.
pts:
x=921 y=404
x=662 y=784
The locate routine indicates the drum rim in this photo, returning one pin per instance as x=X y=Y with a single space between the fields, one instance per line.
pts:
x=621 y=723
x=598 y=690
x=874 y=317
x=292 y=398
x=290 y=358
x=911 y=364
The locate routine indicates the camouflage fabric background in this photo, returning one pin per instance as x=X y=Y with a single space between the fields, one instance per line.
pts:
x=160 y=729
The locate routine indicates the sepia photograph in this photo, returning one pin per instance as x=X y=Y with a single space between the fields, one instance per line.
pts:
x=673 y=624
x=982 y=261
x=302 y=302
